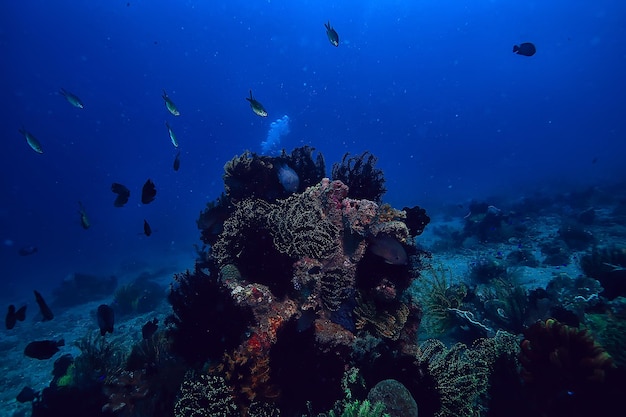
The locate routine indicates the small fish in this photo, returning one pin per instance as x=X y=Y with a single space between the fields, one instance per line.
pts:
x=123 y=193
x=43 y=349
x=171 y=107
x=84 y=220
x=32 y=141
x=333 y=37
x=28 y=250
x=27 y=394
x=43 y=307
x=526 y=49
x=257 y=107
x=72 y=99
x=177 y=162
x=147 y=230
x=150 y=328
x=13 y=316
x=106 y=319
x=172 y=135
x=389 y=249
x=148 y=192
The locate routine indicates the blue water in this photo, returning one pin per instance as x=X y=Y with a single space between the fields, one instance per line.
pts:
x=431 y=88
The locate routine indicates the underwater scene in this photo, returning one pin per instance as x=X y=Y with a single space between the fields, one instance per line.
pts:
x=307 y=208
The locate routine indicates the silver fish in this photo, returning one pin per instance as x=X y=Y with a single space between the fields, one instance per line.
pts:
x=32 y=141
x=72 y=98
x=172 y=135
x=171 y=107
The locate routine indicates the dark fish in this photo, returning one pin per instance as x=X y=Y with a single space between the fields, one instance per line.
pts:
x=14 y=316
x=333 y=37
x=150 y=328
x=389 y=249
x=106 y=319
x=257 y=107
x=43 y=349
x=61 y=364
x=43 y=307
x=147 y=230
x=148 y=192
x=27 y=394
x=84 y=220
x=28 y=250
x=177 y=162
x=122 y=192
x=526 y=49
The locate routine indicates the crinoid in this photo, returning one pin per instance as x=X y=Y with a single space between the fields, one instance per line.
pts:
x=564 y=368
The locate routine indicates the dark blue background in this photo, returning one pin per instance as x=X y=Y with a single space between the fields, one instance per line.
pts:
x=430 y=87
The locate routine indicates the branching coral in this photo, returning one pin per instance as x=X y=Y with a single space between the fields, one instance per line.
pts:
x=460 y=378
x=205 y=395
x=440 y=296
x=384 y=322
x=361 y=176
x=300 y=228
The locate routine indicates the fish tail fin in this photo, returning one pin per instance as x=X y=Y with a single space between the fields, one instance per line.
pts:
x=250 y=94
x=515 y=48
x=20 y=314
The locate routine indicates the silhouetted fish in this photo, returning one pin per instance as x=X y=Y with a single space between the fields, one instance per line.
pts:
x=526 y=49
x=43 y=349
x=389 y=249
x=333 y=37
x=28 y=250
x=106 y=319
x=27 y=394
x=122 y=192
x=13 y=316
x=177 y=162
x=147 y=230
x=257 y=107
x=43 y=307
x=148 y=192
x=149 y=328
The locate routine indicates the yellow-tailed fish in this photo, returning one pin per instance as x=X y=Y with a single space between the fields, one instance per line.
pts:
x=257 y=107
x=84 y=220
x=171 y=107
x=72 y=98
x=32 y=141
x=172 y=135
